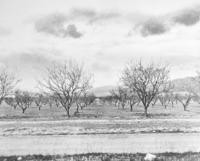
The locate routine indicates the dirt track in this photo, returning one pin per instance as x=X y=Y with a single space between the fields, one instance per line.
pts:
x=80 y=127
x=76 y=144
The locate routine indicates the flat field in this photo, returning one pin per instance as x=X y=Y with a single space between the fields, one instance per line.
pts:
x=105 y=119
x=46 y=134
x=105 y=111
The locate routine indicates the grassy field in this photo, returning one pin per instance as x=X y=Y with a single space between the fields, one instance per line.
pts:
x=105 y=119
x=100 y=112
x=106 y=157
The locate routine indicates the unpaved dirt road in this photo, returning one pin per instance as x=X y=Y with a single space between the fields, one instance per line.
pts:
x=109 y=143
x=80 y=127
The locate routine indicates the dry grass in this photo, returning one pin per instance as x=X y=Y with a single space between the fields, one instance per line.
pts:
x=159 y=120
x=106 y=157
x=100 y=112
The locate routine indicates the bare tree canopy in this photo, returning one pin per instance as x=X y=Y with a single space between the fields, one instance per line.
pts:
x=121 y=95
x=8 y=82
x=39 y=100
x=11 y=101
x=66 y=81
x=166 y=96
x=84 y=100
x=185 y=98
x=146 y=80
x=132 y=99
x=24 y=99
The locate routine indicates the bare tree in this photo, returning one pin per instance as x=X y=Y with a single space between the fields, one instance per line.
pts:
x=165 y=96
x=7 y=84
x=11 y=102
x=121 y=95
x=82 y=95
x=185 y=99
x=146 y=81
x=39 y=100
x=23 y=99
x=84 y=100
x=186 y=93
x=154 y=101
x=88 y=99
x=114 y=96
x=172 y=98
x=56 y=100
x=132 y=99
x=164 y=99
x=66 y=81
x=50 y=99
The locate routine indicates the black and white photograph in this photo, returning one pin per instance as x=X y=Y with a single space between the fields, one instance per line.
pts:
x=99 y=80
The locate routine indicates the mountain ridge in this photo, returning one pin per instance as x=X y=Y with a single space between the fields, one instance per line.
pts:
x=180 y=85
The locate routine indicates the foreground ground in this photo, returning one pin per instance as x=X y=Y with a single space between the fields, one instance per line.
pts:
x=100 y=143
x=83 y=127
x=105 y=119
x=20 y=133
x=106 y=157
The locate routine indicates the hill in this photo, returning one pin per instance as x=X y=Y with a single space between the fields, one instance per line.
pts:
x=187 y=84
x=180 y=85
x=102 y=91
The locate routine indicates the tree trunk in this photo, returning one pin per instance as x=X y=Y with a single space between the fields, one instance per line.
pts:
x=68 y=114
x=131 y=107
x=23 y=110
x=1 y=100
x=185 y=107
x=115 y=102
x=146 y=114
x=77 y=108
x=82 y=106
x=122 y=106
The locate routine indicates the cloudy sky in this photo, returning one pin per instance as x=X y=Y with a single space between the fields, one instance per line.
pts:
x=102 y=34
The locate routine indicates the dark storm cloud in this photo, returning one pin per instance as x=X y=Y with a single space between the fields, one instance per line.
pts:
x=60 y=24
x=72 y=31
x=55 y=24
x=51 y=24
x=92 y=15
x=163 y=24
x=187 y=17
x=153 y=27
